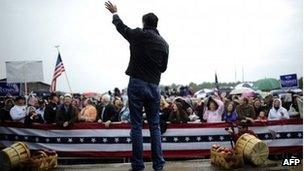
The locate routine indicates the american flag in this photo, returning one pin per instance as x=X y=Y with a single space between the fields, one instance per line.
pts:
x=59 y=69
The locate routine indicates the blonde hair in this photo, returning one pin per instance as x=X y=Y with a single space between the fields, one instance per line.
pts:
x=106 y=97
x=163 y=103
x=31 y=109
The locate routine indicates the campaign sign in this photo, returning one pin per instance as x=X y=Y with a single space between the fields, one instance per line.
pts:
x=9 y=88
x=288 y=81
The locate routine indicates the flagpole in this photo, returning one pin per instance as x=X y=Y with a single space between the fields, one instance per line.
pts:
x=68 y=81
x=243 y=74
x=66 y=76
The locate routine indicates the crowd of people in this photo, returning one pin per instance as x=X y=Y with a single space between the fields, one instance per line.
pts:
x=175 y=107
x=231 y=108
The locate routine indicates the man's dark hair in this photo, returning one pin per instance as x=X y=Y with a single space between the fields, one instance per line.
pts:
x=52 y=95
x=19 y=98
x=40 y=102
x=150 y=20
x=246 y=100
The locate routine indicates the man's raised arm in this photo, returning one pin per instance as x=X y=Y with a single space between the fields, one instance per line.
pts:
x=125 y=31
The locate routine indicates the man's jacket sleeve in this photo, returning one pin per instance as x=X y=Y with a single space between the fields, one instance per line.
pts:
x=128 y=33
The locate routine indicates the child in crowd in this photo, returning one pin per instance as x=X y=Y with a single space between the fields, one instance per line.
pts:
x=262 y=116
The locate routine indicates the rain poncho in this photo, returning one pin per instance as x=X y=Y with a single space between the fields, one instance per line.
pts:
x=278 y=114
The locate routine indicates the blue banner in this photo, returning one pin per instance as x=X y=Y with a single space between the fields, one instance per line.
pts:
x=12 y=89
x=289 y=81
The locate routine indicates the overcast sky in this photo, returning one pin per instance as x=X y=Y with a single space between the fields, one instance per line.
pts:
x=262 y=36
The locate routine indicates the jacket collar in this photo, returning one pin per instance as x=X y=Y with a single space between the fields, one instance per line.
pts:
x=151 y=28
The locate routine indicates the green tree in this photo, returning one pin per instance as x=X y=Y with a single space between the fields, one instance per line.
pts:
x=194 y=86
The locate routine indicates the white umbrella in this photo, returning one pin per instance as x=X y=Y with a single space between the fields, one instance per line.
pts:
x=202 y=93
x=241 y=85
x=241 y=90
x=262 y=93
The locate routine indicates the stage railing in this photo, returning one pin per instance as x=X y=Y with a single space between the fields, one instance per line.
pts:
x=179 y=141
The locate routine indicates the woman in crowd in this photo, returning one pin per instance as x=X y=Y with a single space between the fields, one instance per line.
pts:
x=89 y=112
x=214 y=110
x=230 y=114
x=165 y=110
x=185 y=104
x=164 y=113
x=178 y=114
x=257 y=105
x=277 y=112
x=33 y=117
x=5 y=111
x=122 y=110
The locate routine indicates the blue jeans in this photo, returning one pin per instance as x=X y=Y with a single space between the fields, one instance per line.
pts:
x=145 y=95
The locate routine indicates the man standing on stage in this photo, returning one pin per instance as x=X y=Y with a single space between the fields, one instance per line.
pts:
x=149 y=57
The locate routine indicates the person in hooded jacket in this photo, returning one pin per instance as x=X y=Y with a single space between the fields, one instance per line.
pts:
x=277 y=112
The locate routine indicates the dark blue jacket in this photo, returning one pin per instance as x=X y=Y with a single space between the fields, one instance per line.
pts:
x=64 y=115
x=230 y=118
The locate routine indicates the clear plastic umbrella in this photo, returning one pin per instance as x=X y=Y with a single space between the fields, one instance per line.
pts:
x=242 y=90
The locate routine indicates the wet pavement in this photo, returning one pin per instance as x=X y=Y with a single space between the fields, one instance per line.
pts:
x=187 y=165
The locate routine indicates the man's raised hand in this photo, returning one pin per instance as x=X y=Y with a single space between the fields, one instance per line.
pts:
x=111 y=7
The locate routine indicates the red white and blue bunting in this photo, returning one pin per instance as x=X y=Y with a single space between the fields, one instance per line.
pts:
x=181 y=140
